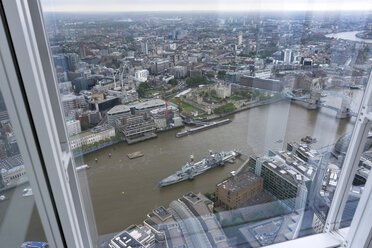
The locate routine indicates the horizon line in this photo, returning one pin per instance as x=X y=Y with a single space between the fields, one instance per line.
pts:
x=214 y=11
x=221 y=7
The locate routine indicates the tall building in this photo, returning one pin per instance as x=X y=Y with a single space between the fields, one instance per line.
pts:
x=60 y=61
x=240 y=38
x=144 y=47
x=287 y=56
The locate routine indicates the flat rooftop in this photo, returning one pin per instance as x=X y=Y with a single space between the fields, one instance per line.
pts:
x=270 y=231
x=11 y=162
x=239 y=182
x=162 y=213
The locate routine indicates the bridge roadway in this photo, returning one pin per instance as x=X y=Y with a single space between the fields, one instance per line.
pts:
x=322 y=105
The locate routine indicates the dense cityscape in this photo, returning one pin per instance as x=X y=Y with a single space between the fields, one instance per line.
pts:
x=126 y=80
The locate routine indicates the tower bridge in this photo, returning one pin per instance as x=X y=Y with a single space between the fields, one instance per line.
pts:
x=348 y=107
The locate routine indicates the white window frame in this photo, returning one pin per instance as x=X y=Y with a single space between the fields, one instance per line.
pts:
x=26 y=24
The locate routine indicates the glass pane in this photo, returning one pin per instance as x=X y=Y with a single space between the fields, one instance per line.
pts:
x=20 y=224
x=212 y=128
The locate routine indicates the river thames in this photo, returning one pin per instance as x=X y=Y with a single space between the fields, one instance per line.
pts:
x=123 y=191
x=348 y=36
x=119 y=192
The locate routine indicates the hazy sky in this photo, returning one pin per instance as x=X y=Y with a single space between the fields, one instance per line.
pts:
x=203 y=5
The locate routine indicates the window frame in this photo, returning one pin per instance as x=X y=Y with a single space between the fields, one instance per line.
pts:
x=25 y=134
x=26 y=25
x=31 y=57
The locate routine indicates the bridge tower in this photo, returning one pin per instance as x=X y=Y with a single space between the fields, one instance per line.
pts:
x=314 y=99
x=344 y=111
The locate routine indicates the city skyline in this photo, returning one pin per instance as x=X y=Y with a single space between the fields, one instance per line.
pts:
x=207 y=5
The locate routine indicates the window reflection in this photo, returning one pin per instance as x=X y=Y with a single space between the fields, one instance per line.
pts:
x=211 y=129
x=19 y=218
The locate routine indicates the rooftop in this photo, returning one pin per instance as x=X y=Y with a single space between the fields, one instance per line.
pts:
x=270 y=231
x=239 y=182
x=162 y=213
x=11 y=162
x=118 y=109
x=150 y=104
x=283 y=170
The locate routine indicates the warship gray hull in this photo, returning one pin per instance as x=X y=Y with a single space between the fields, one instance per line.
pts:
x=191 y=169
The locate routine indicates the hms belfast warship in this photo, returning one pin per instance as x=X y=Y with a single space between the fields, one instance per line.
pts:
x=192 y=169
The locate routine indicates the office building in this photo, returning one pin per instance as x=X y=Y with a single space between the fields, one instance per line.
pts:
x=60 y=61
x=179 y=71
x=240 y=38
x=144 y=47
x=287 y=56
x=136 y=128
x=141 y=75
x=73 y=127
x=105 y=104
x=286 y=183
x=259 y=83
x=234 y=191
x=159 y=66
x=117 y=112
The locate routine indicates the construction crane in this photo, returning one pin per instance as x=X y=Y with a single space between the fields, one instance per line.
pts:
x=179 y=105
x=166 y=106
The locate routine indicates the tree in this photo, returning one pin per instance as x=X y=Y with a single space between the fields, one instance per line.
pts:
x=195 y=81
x=255 y=93
x=85 y=126
x=173 y=82
x=228 y=107
x=210 y=75
x=142 y=89
x=221 y=74
x=213 y=93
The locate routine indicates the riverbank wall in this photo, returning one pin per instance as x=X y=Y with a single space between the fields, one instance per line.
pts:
x=79 y=154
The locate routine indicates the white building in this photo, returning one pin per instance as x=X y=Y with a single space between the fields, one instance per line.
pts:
x=173 y=46
x=14 y=176
x=90 y=137
x=73 y=127
x=141 y=75
x=240 y=39
x=223 y=91
x=144 y=48
x=287 y=56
